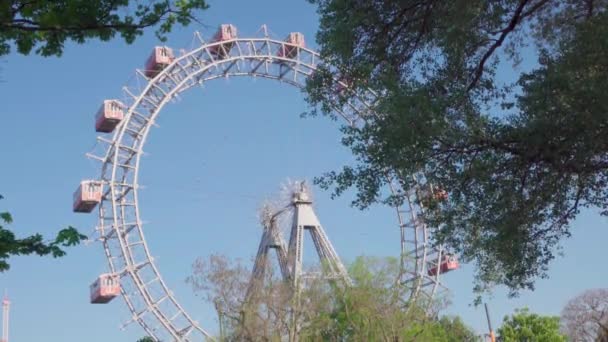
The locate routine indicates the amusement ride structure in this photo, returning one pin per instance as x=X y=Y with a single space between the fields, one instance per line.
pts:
x=125 y=126
x=290 y=260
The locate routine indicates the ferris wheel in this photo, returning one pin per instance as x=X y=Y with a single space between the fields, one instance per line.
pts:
x=125 y=125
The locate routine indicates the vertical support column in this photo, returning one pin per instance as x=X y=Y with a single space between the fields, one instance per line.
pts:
x=271 y=238
x=295 y=251
x=304 y=217
x=278 y=243
x=5 y=316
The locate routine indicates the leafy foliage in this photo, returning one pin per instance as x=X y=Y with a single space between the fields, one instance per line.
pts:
x=526 y=326
x=35 y=244
x=519 y=159
x=456 y=329
x=370 y=310
x=46 y=25
x=146 y=339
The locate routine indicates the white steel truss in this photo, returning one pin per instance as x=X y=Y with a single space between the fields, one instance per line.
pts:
x=272 y=238
x=290 y=259
x=304 y=218
x=120 y=228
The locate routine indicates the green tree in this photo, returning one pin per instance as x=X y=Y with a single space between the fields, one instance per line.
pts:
x=146 y=339
x=518 y=157
x=524 y=326
x=372 y=309
x=46 y=25
x=456 y=330
x=10 y=245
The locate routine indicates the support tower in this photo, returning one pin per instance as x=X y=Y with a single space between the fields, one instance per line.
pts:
x=271 y=239
x=290 y=258
x=304 y=218
x=6 y=303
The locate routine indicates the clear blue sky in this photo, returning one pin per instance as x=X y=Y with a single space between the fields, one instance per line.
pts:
x=218 y=153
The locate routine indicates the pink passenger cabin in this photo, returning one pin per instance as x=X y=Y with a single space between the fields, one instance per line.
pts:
x=448 y=263
x=109 y=116
x=439 y=194
x=87 y=196
x=225 y=32
x=430 y=195
x=294 y=41
x=105 y=288
x=159 y=59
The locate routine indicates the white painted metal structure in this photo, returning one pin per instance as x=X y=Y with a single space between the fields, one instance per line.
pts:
x=272 y=238
x=304 y=218
x=6 y=305
x=153 y=305
x=290 y=259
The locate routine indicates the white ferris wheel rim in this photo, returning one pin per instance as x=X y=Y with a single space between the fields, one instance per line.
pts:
x=120 y=226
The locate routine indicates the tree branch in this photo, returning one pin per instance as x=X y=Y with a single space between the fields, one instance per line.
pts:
x=27 y=25
x=518 y=15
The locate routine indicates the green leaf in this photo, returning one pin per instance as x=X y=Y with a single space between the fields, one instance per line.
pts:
x=6 y=217
x=45 y=26
x=519 y=152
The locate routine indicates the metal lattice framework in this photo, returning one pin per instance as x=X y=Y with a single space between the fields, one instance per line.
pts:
x=304 y=218
x=290 y=260
x=153 y=305
x=272 y=238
